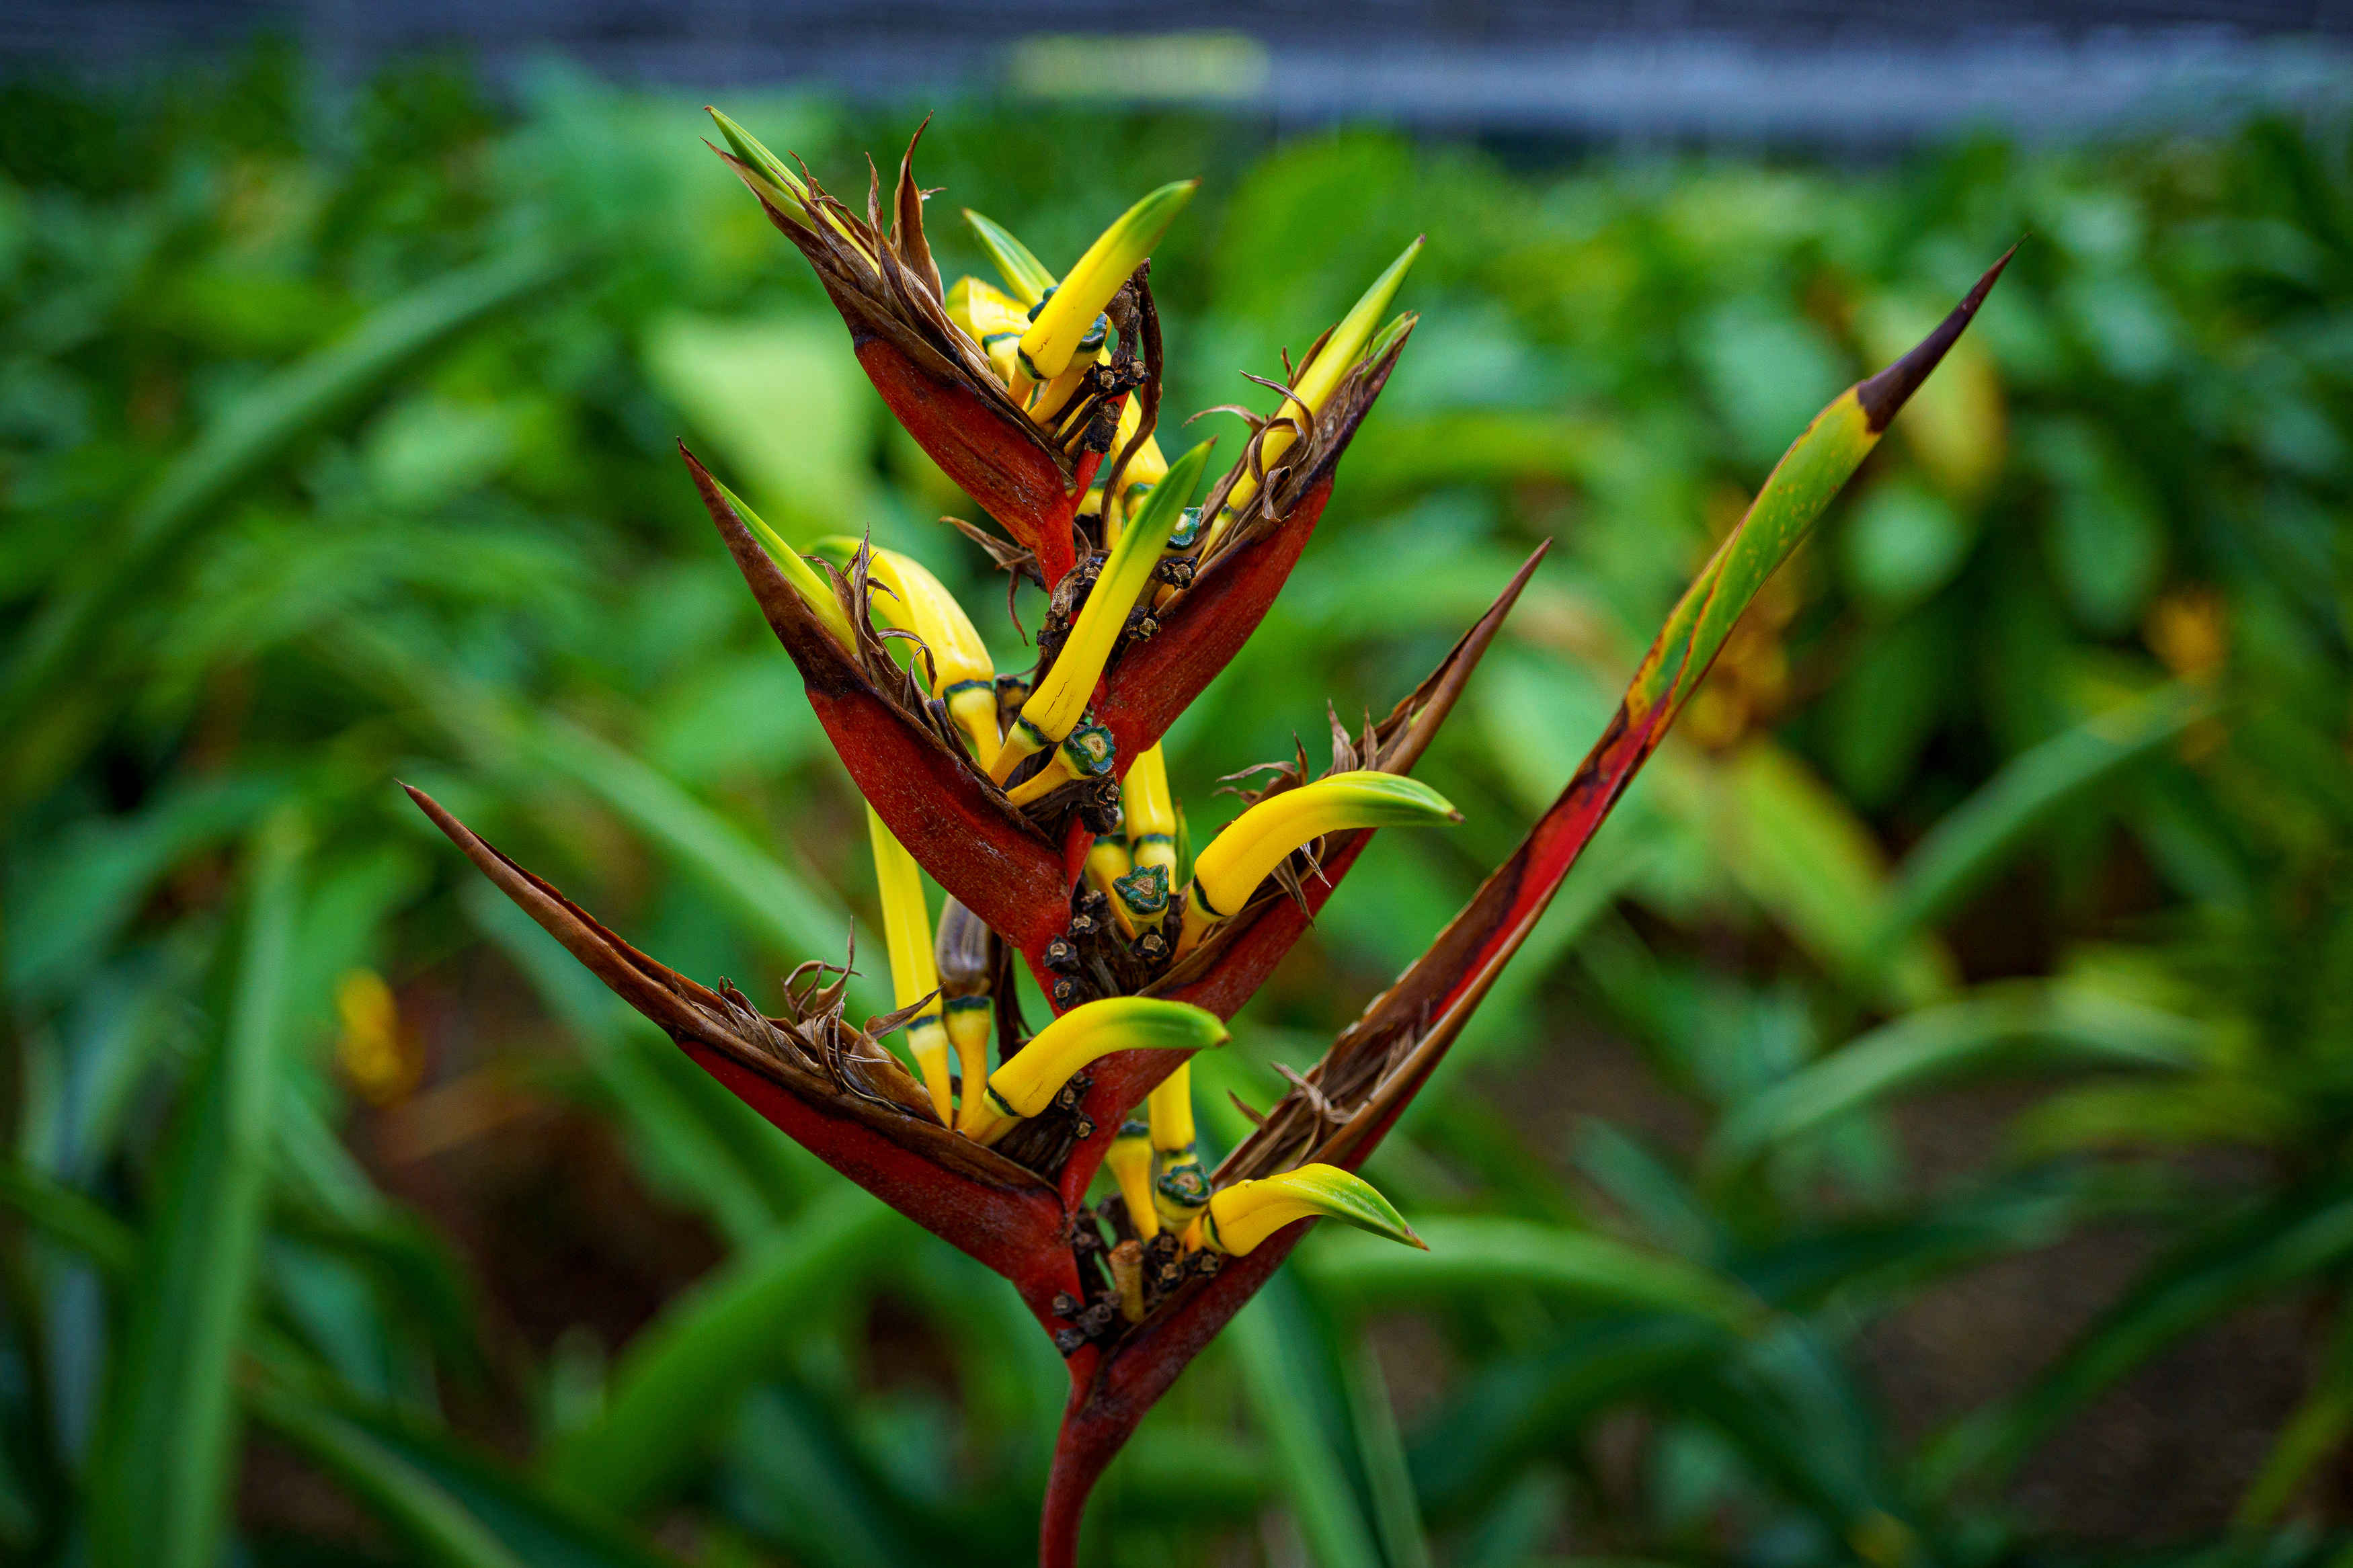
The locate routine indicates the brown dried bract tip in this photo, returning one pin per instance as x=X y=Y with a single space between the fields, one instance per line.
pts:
x=1888 y=391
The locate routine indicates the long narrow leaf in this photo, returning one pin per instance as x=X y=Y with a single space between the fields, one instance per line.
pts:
x=1469 y=1255
x=2069 y=1024
x=167 y=1447
x=679 y=1382
x=1321 y=1498
x=1977 y=838
x=398 y=1493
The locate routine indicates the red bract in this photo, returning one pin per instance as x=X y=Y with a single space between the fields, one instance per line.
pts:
x=1018 y=1203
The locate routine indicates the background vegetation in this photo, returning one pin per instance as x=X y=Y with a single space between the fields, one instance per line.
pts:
x=1919 y=1134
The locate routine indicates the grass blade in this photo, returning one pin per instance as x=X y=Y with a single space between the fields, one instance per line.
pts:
x=388 y=1485
x=167 y=1444
x=1395 y=1513
x=1274 y=1355
x=1468 y=1256
x=2280 y=1247
x=64 y=1215
x=2066 y=1024
x=679 y=1382
x=1979 y=837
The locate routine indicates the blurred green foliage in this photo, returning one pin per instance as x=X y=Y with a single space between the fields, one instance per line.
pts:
x=337 y=448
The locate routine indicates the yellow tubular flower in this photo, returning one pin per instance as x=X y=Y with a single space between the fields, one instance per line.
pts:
x=962 y=952
x=1060 y=700
x=1107 y=862
x=1144 y=470
x=1023 y=274
x=1242 y=1215
x=1129 y=1160
x=963 y=675
x=1229 y=868
x=990 y=319
x=1027 y=1084
x=970 y=1022
x=1179 y=1185
x=1338 y=355
x=1151 y=811
x=814 y=590
x=1065 y=317
x=907 y=928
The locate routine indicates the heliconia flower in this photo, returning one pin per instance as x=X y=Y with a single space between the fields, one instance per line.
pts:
x=814 y=590
x=1354 y=339
x=910 y=599
x=1003 y=1171
x=1025 y=1086
x=1230 y=867
x=1242 y=1215
x=1060 y=320
x=1129 y=1162
x=964 y=955
x=1179 y=1185
x=1056 y=702
x=907 y=928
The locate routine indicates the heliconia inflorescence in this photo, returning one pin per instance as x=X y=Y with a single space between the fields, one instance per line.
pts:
x=1040 y=802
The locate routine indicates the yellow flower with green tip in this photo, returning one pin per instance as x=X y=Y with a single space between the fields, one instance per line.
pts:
x=1228 y=869
x=1246 y=1214
x=1027 y=1084
x=907 y=932
x=1067 y=313
x=1059 y=701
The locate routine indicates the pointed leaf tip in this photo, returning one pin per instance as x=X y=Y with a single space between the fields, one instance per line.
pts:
x=1882 y=394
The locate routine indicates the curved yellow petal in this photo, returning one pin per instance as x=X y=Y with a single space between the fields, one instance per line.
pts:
x=1129 y=1160
x=1027 y=1084
x=1244 y=1215
x=814 y=590
x=1321 y=374
x=1231 y=865
x=1063 y=320
x=1151 y=811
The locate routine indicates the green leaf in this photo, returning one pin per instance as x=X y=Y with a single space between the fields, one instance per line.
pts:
x=167 y=1443
x=535 y=1522
x=2043 y=1025
x=68 y=899
x=260 y=429
x=1533 y=1401
x=2295 y=1243
x=387 y=1485
x=1277 y=1351
x=679 y=1382
x=1977 y=838
x=65 y=1216
x=793 y=915
x=1387 y=1477
x=1469 y=1255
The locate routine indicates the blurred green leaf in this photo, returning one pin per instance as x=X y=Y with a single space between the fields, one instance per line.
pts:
x=166 y=1450
x=2039 y=1027
x=677 y=1386
x=1469 y=1256
x=407 y=1499
x=1973 y=843
x=261 y=429
x=1279 y=1355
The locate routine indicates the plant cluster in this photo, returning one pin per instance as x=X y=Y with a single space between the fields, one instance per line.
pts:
x=328 y=459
